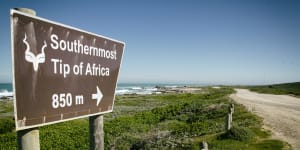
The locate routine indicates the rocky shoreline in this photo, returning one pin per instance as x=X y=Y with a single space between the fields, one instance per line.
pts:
x=184 y=89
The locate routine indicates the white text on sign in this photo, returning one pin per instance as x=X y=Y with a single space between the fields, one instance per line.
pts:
x=88 y=69
x=76 y=46
x=62 y=100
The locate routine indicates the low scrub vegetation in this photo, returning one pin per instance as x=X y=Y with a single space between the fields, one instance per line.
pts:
x=166 y=121
x=287 y=88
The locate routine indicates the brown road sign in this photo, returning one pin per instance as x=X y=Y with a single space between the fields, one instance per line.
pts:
x=59 y=72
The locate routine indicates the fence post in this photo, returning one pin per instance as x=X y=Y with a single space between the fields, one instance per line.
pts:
x=204 y=146
x=229 y=117
x=228 y=122
x=232 y=108
x=96 y=132
x=231 y=111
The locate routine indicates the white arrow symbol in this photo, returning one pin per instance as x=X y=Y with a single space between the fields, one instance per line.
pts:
x=98 y=96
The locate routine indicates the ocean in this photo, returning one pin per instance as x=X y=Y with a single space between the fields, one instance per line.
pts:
x=140 y=88
x=122 y=88
x=6 y=86
x=5 y=89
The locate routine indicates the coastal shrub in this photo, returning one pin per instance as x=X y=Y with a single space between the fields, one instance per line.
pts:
x=286 y=88
x=269 y=144
x=243 y=118
x=8 y=141
x=179 y=128
x=66 y=135
x=178 y=121
x=6 y=125
x=6 y=106
x=238 y=133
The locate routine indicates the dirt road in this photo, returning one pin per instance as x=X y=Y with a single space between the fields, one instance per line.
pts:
x=281 y=113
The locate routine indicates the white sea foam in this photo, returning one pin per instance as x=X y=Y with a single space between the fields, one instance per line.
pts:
x=136 y=89
x=5 y=93
x=122 y=92
x=171 y=86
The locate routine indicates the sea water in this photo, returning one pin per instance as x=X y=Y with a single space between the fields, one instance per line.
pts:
x=5 y=89
x=136 y=88
x=122 y=88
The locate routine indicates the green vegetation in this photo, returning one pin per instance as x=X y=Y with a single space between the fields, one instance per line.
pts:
x=166 y=121
x=238 y=133
x=287 y=88
x=6 y=125
x=268 y=144
x=6 y=108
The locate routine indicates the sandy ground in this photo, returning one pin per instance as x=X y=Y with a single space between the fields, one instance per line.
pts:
x=281 y=113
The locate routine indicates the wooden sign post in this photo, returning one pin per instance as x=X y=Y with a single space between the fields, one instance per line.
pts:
x=96 y=132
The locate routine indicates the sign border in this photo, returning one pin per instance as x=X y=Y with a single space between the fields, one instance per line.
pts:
x=13 y=11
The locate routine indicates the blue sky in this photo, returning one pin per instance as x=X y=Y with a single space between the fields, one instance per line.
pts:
x=215 y=42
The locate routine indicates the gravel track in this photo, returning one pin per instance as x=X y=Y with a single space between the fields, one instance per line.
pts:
x=281 y=113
